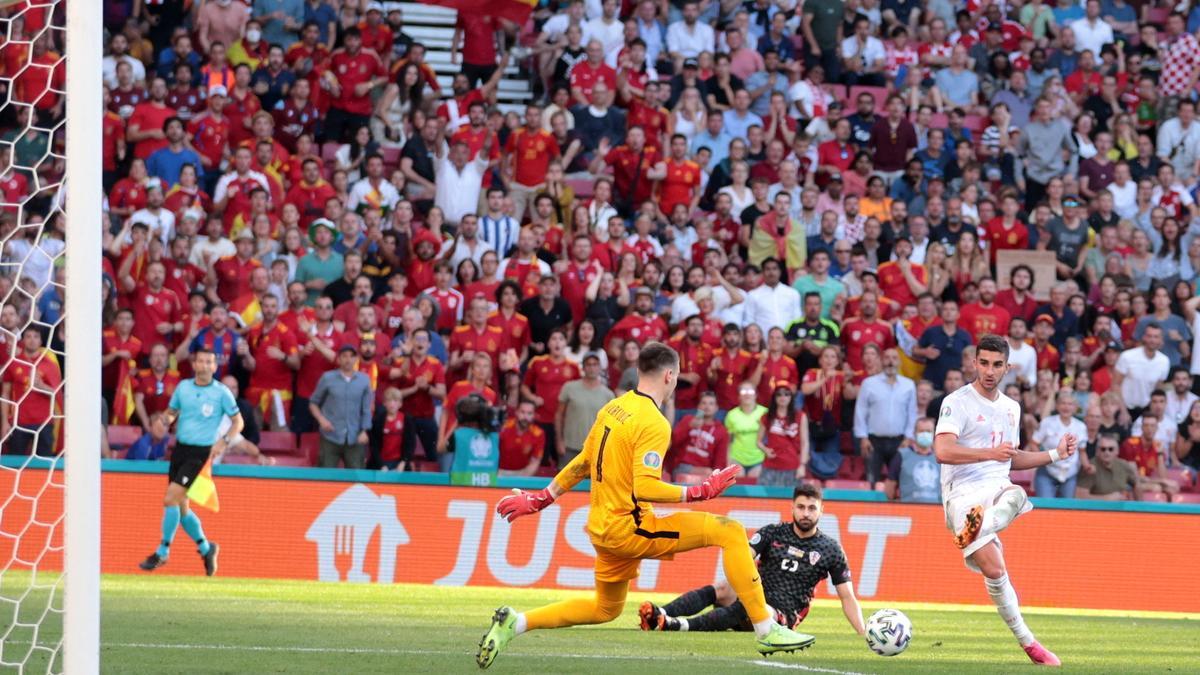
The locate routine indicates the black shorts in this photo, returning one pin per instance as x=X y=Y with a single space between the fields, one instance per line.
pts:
x=186 y=463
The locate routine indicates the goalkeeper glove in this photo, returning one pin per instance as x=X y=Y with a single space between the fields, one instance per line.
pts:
x=712 y=486
x=521 y=503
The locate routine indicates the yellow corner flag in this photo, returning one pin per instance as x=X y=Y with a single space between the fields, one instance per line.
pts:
x=204 y=490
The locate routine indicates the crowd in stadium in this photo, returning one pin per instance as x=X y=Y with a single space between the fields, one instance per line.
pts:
x=821 y=205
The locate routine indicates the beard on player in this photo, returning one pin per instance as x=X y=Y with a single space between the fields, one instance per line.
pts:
x=806 y=525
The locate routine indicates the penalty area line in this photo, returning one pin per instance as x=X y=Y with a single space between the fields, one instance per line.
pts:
x=436 y=652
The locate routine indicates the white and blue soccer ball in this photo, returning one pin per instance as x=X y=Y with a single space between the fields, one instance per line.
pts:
x=888 y=632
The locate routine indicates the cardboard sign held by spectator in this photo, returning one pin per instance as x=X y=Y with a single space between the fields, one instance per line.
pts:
x=1042 y=264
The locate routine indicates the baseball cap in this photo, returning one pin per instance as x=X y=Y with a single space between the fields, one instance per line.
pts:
x=375 y=7
x=1072 y=200
x=154 y=184
x=643 y=290
x=193 y=214
x=993 y=25
x=691 y=63
x=347 y=347
x=591 y=356
x=836 y=175
x=1044 y=318
x=218 y=90
x=244 y=233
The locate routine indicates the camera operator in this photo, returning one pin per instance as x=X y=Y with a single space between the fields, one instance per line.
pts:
x=473 y=450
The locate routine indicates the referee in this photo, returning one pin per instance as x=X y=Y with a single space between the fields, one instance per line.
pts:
x=198 y=405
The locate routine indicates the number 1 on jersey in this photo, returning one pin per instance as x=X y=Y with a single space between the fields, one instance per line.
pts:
x=600 y=456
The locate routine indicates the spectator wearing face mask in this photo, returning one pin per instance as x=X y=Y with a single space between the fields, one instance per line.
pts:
x=913 y=473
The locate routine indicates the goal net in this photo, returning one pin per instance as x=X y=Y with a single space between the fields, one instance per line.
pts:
x=44 y=575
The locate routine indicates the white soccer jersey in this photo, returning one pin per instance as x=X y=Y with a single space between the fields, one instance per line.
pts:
x=978 y=423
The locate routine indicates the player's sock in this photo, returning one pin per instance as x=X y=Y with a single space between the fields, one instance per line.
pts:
x=170 y=523
x=692 y=602
x=719 y=619
x=191 y=525
x=521 y=625
x=681 y=624
x=740 y=570
x=1005 y=599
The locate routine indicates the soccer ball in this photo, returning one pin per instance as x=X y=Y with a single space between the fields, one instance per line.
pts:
x=888 y=632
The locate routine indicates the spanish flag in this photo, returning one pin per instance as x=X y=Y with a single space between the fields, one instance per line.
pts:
x=124 y=407
x=204 y=490
x=516 y=11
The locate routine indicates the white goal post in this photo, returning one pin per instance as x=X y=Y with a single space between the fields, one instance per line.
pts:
x=83 y=303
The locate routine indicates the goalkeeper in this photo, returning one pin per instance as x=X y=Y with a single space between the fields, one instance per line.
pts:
x=793 y=558
x=623 y=456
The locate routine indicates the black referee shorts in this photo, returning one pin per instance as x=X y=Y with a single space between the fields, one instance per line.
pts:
x=186 y=463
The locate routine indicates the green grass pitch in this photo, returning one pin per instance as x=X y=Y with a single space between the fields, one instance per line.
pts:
x=162 y=624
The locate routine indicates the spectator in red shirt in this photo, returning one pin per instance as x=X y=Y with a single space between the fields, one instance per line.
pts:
x=389 y=430
x=273 y=356
x=477 y=35
x=587 y=73
x=1018 y=297
x=157 y=312
x=783 y=438
x=145 y=126
x=984 y=316
x=694 y=358
x=902 y=279
x=421 y=379
x=317 y=341
x=353 y=73
x=527 y=155
x=545 y=377
x=699 y=443
x=729 y=368
x=154 y=386
x=28 y=398
x=866 y=329
x=120 y=346
x=478 y=380
x=522 y=442
x=776 y=369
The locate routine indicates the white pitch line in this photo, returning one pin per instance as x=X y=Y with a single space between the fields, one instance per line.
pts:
x=800 y=666
x=435 y=652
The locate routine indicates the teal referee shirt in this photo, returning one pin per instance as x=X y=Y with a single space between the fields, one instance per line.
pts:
x=200 y=411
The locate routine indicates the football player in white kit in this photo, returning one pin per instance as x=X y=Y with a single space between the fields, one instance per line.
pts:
x=977 y=437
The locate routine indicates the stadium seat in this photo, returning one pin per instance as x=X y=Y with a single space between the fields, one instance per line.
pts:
x=546 y=472
x=1183 y=477
x=329 y=152
x=1185 y=498
x=1022 y=477
x=238 y=459
x=310 y=447
x=853 y=468
x=277 y=442
x=291 y=460
x=939 y=121
x=391 y=157
x=976 y=123
x=427 y=466
x=1154 y=497
x=747 y=480
x=120 y=436
x=836 y=90
x=1157 y=15
x=581 y=186
x=836 y=484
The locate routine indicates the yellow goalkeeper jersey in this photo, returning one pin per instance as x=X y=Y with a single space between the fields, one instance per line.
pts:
x=627 y=444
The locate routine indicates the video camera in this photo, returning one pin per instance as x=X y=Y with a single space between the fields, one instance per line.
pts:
x=474 y=410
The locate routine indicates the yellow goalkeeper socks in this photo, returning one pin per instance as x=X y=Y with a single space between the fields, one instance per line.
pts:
x=604 y=607
x=740 y=570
